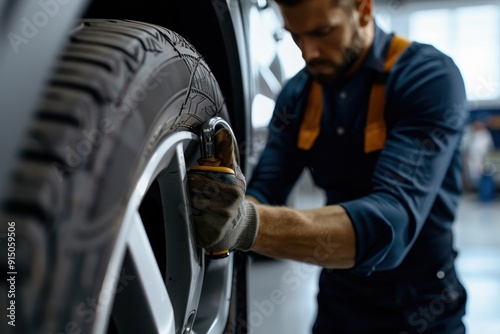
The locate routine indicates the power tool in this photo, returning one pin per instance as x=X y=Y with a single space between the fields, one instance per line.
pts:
x=209 y=163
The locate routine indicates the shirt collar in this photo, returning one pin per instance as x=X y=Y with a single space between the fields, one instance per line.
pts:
x=376 y=56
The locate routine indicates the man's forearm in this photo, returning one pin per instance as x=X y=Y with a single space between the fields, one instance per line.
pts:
x=323 y=236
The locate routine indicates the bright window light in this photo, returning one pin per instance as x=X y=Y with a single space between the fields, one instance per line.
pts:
x=433 y=27
x=262 y=111
x=478 y=53
x=470 y=35
x=384 y=21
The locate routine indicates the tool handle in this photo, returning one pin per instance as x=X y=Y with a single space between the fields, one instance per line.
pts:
x=208 y=163
x=225 y=175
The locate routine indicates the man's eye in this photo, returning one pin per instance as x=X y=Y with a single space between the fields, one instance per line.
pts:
x=295 y=37
x=322 y=32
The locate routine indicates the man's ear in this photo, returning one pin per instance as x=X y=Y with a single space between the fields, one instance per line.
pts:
x=365 y=10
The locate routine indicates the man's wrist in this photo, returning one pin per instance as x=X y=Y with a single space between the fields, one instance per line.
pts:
x=249 y=233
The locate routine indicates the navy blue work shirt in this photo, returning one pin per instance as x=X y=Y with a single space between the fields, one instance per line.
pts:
x=389 y=194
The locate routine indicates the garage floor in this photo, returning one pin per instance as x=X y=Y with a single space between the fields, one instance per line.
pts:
x=282 y=293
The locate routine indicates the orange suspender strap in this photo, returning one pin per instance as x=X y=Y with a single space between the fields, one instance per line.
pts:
x=311 y=124
x=375 y=130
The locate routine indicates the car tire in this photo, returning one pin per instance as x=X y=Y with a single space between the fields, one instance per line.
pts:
x=98 y=201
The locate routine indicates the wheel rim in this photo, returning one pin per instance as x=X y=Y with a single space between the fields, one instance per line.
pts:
x=173 y=292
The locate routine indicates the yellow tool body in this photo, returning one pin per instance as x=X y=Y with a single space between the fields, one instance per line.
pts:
x=210 y=165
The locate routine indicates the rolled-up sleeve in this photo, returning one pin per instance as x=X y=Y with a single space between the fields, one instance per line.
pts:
x=428 y=106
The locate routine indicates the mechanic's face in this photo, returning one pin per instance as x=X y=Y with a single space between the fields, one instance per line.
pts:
x=330 y=39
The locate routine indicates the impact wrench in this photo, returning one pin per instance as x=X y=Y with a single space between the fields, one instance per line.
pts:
x=209 y=164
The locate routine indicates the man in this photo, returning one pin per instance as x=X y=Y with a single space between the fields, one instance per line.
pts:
x=378 y=122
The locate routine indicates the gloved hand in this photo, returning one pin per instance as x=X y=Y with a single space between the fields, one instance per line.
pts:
x=222 y=218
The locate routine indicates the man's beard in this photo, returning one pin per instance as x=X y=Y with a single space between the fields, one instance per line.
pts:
x=351 y=54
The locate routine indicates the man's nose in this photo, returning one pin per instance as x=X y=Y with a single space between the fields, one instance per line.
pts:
x=309 y=48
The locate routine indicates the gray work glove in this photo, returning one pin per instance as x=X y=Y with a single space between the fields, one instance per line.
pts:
x=222 y=218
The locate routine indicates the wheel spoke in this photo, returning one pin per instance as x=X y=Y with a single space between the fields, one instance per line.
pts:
x=184 y=259
x=151 y=296
x=214 y=304
x=141 y=284
x=269 y=84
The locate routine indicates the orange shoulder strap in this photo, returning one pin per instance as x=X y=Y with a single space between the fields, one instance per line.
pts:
x=375 y=130
x=311 y=124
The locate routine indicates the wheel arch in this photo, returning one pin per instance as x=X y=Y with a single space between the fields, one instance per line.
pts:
x=209 y=27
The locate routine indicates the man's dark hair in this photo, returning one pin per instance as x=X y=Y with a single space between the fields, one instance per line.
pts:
x=289 y=3
x=346 y=4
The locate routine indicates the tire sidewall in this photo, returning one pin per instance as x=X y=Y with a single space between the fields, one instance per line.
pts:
x=162 y=98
